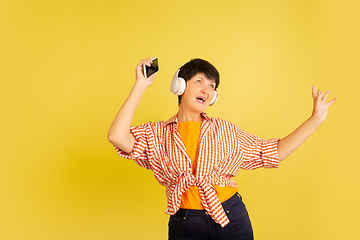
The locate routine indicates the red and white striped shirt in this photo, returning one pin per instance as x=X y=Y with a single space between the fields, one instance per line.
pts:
x=223 y=149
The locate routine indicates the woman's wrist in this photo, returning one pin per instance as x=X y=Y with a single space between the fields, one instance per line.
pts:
x=141 y=86
x=316 y=120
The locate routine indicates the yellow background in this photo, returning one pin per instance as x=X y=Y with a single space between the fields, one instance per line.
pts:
x=67 y=66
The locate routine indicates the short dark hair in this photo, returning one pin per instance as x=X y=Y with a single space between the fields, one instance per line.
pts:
x=195 y=66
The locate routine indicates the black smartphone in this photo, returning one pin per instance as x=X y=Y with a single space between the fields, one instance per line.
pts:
x=154 y=68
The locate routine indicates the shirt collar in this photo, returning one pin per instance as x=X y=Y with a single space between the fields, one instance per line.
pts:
x=174 y=119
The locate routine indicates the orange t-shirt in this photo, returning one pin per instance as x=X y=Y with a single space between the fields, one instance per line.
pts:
x=190 y=133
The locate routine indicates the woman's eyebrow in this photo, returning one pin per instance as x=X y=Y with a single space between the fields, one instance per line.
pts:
x=211 y=80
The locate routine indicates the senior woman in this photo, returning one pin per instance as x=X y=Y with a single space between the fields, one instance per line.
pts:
x=195 y=156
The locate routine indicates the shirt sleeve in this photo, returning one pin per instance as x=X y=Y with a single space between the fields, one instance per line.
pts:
x=257 y=152
x=141 y=146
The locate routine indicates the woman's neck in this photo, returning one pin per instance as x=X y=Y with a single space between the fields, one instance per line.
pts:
x=186 y=116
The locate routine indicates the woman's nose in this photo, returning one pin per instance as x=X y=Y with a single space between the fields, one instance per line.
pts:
x=204 y=90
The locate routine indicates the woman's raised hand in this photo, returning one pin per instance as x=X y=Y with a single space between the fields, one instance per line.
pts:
x=140 y=77
x=320 y=105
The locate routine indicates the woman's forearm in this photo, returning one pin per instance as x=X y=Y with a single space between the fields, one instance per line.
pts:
x=291 y=142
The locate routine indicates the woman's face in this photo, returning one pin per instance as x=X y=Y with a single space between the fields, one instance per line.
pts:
x=198 y=93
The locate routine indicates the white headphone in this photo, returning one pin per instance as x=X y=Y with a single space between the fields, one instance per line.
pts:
x=178 y=86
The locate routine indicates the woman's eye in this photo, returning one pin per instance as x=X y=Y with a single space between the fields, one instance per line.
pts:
x=197 y=81
x=212 y=86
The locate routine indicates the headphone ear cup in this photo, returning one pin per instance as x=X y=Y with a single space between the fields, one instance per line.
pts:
x=182 y=86
x=174 y=83
x=215 y=98
x=178 y=85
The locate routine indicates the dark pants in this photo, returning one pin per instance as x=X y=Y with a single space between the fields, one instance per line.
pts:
x=188 y=224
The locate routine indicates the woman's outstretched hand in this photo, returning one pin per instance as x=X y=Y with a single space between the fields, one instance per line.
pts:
x=320 y=105
x=140 y=76
x=291 y=142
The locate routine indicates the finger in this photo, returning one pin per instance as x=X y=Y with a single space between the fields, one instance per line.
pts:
x=314 y=91
x=142 y=62
x=326 y=95
x=332 y=101
x=148 y=61
x=319 y=95
x=139 y=66
x=317 y=100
